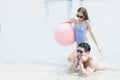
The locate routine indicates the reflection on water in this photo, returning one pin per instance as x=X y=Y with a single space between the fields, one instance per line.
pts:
x=27 y=29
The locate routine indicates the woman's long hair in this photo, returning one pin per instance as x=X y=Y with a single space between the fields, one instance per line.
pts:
x=84 y=11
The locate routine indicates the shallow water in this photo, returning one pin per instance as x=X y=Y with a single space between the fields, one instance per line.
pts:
x=49 y=72
x=27 y=29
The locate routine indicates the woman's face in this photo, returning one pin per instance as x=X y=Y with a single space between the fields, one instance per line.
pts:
x=80 y=16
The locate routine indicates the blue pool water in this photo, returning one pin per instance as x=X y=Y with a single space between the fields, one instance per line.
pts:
x=27 y=29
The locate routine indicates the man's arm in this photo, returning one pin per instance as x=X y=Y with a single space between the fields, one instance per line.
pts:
x=74 y=65
x=85 y=72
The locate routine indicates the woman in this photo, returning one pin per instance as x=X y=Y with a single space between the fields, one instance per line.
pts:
x=81 y=27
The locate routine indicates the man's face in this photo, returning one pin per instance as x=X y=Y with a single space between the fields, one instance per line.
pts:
x=82 y=54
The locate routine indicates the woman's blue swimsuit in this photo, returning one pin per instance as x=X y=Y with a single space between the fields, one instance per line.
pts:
x=80 y=32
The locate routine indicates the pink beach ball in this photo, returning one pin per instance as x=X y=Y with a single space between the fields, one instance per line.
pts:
x=64 y=34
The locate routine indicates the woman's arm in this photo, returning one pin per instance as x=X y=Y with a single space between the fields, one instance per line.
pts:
x=70 y=21
x=92 y=35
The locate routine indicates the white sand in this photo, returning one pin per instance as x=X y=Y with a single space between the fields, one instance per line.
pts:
x=49 y=72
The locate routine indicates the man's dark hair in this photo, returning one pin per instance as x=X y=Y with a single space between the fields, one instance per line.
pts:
x=86 y=46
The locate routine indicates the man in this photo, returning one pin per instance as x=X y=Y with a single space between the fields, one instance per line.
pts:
x=86 y=64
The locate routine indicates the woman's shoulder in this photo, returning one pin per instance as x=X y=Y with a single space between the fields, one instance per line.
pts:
x=88 y=24
x=87 y=21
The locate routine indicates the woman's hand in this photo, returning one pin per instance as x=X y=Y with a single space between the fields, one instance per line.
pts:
x=99 y=49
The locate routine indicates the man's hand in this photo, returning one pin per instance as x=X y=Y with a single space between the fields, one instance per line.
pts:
x=81 y=61
x=74 y=66
x=78 y=57
x=76 y=61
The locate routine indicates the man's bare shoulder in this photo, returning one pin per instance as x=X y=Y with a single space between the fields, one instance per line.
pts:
x=93 y=62
x=93 y=58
